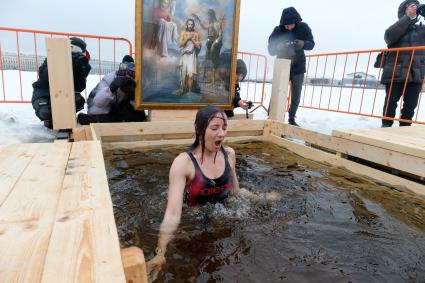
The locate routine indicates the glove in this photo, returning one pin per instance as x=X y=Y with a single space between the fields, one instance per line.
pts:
x=298 y=44
x=80 y=65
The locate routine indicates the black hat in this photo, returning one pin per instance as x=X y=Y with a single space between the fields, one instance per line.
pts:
x=241 y=68
x=127 y=59
x=290 y=16
x=78 y=42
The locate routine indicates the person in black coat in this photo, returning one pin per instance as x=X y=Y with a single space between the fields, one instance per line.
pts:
x=241 y=72
x=41 y=94
x=288 y=41
x=404 y=33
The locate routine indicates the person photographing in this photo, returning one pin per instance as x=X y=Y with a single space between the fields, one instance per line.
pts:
x=288 y=41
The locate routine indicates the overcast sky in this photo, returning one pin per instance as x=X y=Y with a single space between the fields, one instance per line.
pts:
x=344 y=25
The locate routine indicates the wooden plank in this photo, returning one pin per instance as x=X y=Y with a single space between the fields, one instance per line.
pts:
x=184 y=115
x=161 y=143
x=386 y=157
x=93 y=134
x=172 y=115
x=240 y=116
x=280 y=84
x=408 y=140
x=61 y=83
x=84 y=245
x=13 y=161
x=115 y=132
x=80 y=133
x=134 y=265
x=27 y=214
x=320 y=156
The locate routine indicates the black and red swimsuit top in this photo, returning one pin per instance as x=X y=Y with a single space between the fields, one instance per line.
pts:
x=203 y=189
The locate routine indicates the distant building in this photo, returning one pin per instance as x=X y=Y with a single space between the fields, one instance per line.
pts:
x=360 y=79
x=31 y=63
x=321 y=81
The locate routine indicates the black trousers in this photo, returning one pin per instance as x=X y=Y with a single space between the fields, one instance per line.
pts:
x=296 y=87
x=410 y=101
x=43 y=110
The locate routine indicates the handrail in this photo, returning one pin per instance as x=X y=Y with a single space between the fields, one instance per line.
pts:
x=33 y=61
x=356 y=78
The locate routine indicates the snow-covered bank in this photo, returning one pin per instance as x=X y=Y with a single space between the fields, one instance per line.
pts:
x=18 y=124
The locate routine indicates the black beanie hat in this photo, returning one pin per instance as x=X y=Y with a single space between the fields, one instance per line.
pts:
x=78 y=42
x=241 y=68
x=127 y=59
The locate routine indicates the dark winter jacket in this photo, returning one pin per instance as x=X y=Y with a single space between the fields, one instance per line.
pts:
x=404 y=33
x=81 y=69
x=281 y=40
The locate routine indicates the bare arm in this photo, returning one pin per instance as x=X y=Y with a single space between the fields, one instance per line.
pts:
x=218 y=28
x=180 y=170
x=232 y=160
x=182 y=39
x=242 y=191
x=199 y=21
x=196 y=40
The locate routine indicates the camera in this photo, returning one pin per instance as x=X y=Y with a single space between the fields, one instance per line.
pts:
x=420 y=10
x=250 y=105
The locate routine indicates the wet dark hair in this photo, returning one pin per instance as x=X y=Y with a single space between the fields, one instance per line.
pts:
x=202 y=120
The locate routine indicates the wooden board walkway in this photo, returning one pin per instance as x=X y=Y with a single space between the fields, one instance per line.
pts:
x=56 y=218
x=401 y=148
x=407 y=140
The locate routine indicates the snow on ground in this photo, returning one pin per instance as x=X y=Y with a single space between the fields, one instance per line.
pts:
x=18 y=123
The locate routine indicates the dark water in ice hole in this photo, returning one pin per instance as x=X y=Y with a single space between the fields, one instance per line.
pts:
x=329 y=226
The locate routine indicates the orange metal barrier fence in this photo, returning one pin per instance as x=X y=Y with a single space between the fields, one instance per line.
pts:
x=253 y=88
x=348 y=82
x=23 y=50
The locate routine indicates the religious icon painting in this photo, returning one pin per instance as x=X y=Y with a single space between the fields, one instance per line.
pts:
x=186 y=53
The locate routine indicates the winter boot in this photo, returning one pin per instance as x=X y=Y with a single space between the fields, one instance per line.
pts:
x=48 y=124
x=291 y=121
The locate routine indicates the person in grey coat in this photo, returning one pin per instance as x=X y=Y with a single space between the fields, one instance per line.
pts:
x=113 y=97
x=404 y=33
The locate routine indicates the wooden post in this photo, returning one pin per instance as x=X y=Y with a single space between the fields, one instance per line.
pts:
x=280 y=83
x=61 y=82
x=134 y=265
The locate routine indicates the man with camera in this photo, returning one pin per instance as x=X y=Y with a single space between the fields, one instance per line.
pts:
x=111 y=100
x=241 y=72
x=396 y=75
x=288 y=41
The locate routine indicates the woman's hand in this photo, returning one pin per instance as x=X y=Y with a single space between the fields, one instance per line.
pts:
x=154 y=266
